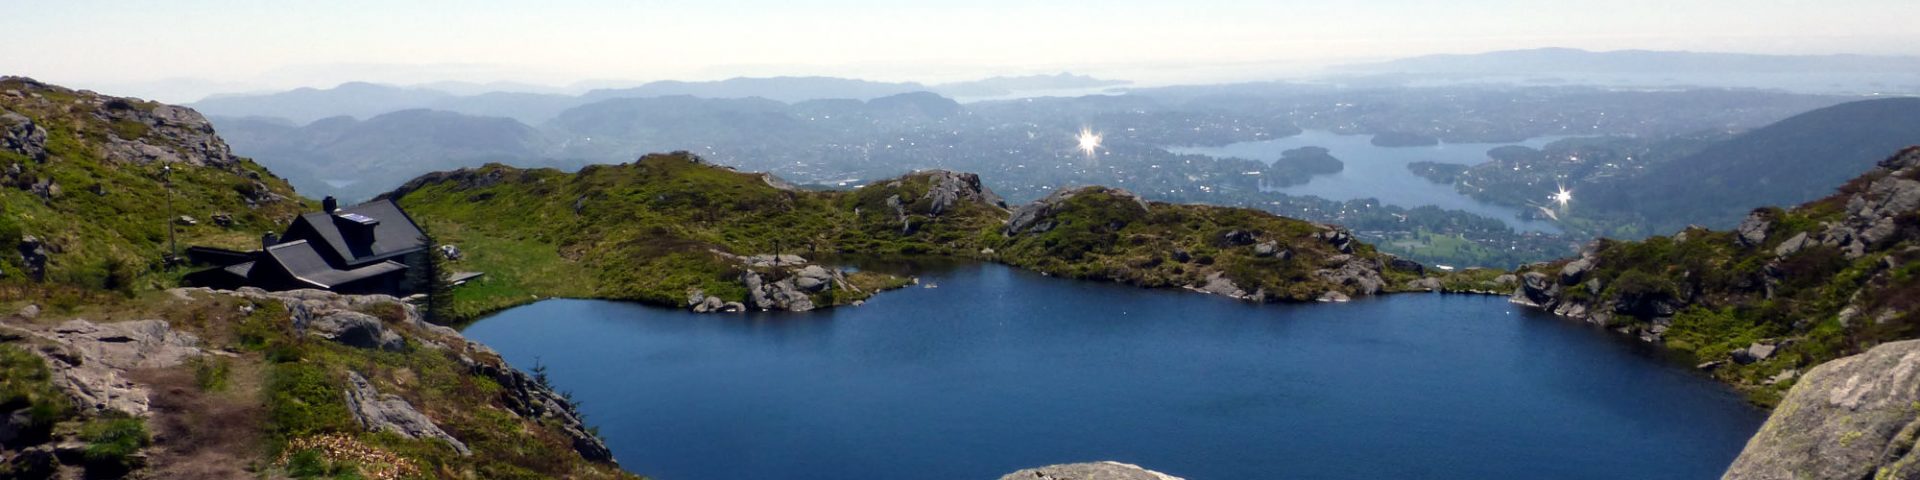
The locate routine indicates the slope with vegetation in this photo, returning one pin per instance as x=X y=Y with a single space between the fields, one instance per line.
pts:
x=1787 y=290
x=105 y=375
x=92 y=185
x=671 y=229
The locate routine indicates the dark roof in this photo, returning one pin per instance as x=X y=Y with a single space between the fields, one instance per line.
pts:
x=394 y=233
x=305 y=264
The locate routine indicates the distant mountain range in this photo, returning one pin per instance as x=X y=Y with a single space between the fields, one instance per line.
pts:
x=1571 y=60
x=1790 y=162
x=364 y=100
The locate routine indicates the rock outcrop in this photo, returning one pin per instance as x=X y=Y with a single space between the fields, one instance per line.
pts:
x=1874 y=208
x=390 y=413
x=90 y=360
x=1362 y=274
x=33 y=254
x=781 y=282
x=1853 y=418
x=946 y=189
x=1108 y=470
x=349 y=328
x=519 y=392
x=18 y=134
x=528 y=398
x=1037 y=217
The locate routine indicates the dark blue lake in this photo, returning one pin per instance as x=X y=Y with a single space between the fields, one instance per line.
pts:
x=999 y=369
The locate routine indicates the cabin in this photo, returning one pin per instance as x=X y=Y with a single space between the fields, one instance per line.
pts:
x=369 y=248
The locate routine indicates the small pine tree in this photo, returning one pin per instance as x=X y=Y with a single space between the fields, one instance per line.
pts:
x=432 y=281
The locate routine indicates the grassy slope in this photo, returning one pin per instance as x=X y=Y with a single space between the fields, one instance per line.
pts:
x=648 y=230
x=117 y=239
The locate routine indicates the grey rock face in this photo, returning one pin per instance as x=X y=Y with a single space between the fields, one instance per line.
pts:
x=1361 y=274
x=33 y=463
x=89 y=361
x=1237 y=237
x=1037 y=217
x=1853 y=418
x=1534 y=291
x=1574 y=271
x=1340 y=239
x=1756 y=352
x=33 y=254
x=354 y=329
x=20 y=135
x=1405 y=265
x=780 y=295
x=699 y=302
x=948 y=188
x=1089 y=471
x=1872 y=214
x=813 y=278
x=376 y=412
x=1430 y=284
x=1219 y=284
x=529 y=399
x=1792 y=245
x=771 y=260
x=1753 y=231
x=1266 y=249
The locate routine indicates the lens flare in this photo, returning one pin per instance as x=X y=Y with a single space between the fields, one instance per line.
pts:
x=1562 y=197
x=1089 y=141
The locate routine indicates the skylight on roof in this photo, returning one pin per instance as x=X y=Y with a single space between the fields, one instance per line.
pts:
x=358 y=218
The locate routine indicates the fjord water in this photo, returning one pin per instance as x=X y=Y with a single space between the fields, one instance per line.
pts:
x=1373 y=171
x=999 y=369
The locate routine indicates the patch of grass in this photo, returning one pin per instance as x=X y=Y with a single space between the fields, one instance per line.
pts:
x=305 y=399
x=128 y=129
x=26 y=384
x=211 y=373
x=113 y=440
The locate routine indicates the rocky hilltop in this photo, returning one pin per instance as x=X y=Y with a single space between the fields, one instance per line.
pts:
x=671 y=229
x=1758 y=306
x=89 y=185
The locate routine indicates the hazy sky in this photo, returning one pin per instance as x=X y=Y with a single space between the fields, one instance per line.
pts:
x=260 y=44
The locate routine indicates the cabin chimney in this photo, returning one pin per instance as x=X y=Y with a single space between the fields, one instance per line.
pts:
x=268 y=239
x=329 y=204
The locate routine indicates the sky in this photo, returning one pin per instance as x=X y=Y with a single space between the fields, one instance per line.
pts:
x=234 y=45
